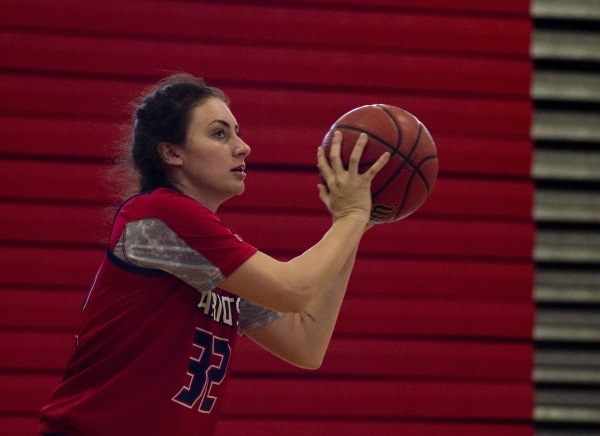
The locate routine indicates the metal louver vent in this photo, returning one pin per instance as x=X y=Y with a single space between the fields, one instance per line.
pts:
x=566 y=168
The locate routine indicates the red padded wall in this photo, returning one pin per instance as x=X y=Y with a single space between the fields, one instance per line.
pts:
x=434 y=336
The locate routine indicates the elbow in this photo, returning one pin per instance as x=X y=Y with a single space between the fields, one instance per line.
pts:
x=297 y=304
x=298 y=297
x=288 y=301
x=295 y=288
x=310 y=362
x=314 y=365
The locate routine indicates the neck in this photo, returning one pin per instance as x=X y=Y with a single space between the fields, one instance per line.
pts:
x=206 y=201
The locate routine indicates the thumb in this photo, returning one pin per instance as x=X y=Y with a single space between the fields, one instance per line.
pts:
x=323 y=194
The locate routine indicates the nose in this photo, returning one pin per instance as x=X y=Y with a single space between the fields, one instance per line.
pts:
x=242 y=149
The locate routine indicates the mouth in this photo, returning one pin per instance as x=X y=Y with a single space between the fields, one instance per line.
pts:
x=239 y=169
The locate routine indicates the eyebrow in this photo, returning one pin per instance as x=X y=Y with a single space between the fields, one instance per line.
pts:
x=225 y=124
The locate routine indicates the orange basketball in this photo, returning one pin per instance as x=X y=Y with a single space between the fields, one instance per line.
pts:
x=405 y=182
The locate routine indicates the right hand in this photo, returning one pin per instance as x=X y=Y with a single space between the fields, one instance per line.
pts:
x=347 y=192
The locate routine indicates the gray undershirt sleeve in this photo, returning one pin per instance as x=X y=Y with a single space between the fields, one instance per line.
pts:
x=150 y=243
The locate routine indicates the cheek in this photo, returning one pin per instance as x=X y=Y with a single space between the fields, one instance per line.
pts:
x=207 y=164
x=207 y=170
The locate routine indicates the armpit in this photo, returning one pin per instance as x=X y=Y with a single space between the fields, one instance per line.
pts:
x=253 y=315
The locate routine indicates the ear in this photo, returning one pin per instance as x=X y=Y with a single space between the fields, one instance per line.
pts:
x=170 y=153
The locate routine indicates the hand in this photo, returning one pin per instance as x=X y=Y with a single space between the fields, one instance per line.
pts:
x=347 y=192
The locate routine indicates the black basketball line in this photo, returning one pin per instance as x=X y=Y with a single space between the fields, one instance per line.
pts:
x=369 y=134
x=410 y=179
x=420 y=174
x=401 y=206
x=378 y=139
x=396 y=151
x=395 y=122
x=401 y=167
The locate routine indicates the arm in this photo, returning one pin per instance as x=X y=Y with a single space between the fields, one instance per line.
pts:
x=290 y=286
x=302 y=338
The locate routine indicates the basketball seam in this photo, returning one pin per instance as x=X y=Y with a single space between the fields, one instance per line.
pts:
x=398 y=129
x=409 y=182
x=395 y=150
x=381 y=141
x=420 y=174
x=404 y=164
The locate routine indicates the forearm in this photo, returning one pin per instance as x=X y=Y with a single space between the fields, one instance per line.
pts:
x=302 y=338
x=290 y=286
x=321 y=265
x=319 y=318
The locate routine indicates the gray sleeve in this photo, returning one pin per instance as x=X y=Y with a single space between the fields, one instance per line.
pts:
x=253 y=315
x=150 y=243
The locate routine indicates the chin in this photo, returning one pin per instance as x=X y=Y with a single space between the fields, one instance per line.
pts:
x=236 y=192
x=241 y=190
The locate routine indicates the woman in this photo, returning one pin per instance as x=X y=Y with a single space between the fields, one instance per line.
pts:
x=177 y=285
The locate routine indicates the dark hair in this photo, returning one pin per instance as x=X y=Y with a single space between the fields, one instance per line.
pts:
x=163 y=116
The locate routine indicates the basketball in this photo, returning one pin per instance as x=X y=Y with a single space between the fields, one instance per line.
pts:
x=405 y=182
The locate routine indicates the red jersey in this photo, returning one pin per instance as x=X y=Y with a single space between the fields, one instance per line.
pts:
x=156 y=335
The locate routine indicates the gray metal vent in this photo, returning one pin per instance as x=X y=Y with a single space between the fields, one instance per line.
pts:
x=566 y=167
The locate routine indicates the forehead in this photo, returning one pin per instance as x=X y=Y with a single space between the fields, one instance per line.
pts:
x=211 y=110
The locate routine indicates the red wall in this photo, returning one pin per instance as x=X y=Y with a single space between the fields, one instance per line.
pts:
x=435 y=334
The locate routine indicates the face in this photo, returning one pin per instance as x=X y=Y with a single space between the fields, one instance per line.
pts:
x=211 y=165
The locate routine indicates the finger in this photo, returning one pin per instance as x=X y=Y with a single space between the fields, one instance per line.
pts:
x=357 y=152
x=335 y=152
x=378 y=165
x=323 y=165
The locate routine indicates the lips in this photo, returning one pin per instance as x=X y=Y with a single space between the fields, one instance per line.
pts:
x=239 y=170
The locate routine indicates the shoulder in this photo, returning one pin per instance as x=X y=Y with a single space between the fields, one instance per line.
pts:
x=165 y=204
x=174 y=210
x=181 y=214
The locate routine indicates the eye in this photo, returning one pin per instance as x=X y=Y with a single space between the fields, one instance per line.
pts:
x=219 y=133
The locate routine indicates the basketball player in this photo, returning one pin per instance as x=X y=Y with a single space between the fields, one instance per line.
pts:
x=177 y=285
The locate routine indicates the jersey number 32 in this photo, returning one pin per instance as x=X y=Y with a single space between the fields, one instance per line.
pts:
x=204 y=374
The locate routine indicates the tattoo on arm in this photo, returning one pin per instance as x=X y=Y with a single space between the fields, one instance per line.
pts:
x=309 y=316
